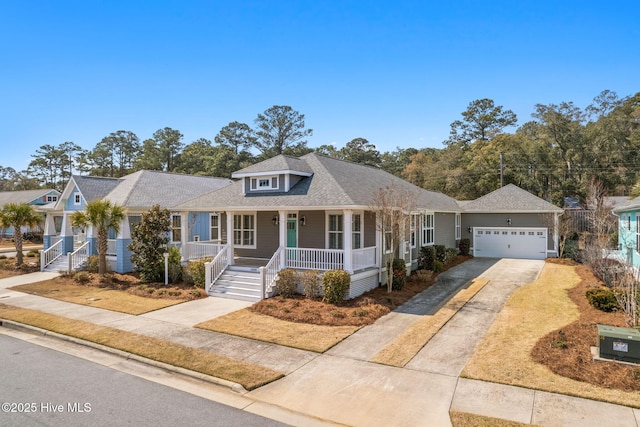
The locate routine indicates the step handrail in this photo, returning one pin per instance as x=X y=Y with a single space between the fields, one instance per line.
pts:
x=269 y=273
x=49 y=255
x=78 y=257
x=214 y=269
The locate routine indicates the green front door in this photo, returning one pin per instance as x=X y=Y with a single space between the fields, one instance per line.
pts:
x=292 y=233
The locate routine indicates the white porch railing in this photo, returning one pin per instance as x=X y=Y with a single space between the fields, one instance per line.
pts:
x=78 y=257
x=314 y=259
x=201 y=249
x=49 y=255
x=363 y=258
x=213 y=269
x=78 y=240
x=269 y=272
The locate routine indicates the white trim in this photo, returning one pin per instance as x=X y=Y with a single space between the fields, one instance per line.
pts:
x=458 y=227
x=242 y=230
x=269 y=173
x=424 y=229
x=328 y=232
x=77 y=198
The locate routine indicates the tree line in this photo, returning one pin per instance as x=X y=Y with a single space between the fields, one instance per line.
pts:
x=553 y=155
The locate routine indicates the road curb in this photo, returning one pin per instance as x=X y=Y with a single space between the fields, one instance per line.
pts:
x=10 y=324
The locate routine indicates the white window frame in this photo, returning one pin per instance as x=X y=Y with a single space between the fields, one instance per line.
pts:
x=51 y=198
x=413 y=227
x=261 y=183
x=339 y=233
x=241 y=233
x=77 y=199
x=428 y=229
x=387 y=236
x=176 y=228
x=214 y=227
x=357 y=235
x=458 y=226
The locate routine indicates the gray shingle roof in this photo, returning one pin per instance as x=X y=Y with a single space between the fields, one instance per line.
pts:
x=630 y=205
x=276 y=164
x=25 y=196
x=334 y=183
x=510 y=198
x=143 y=189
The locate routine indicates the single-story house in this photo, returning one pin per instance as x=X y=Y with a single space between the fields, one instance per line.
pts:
x=311 y=212
x=629 y=232
x=32 y=197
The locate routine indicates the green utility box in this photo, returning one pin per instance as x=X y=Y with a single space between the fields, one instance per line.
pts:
x=619 y=343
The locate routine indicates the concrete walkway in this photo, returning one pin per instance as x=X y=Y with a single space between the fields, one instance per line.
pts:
x=341 y=386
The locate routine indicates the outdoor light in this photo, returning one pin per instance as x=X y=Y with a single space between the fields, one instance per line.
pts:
x=469 y=229
x=303 y=220
x=275 y=220
x=508 y=221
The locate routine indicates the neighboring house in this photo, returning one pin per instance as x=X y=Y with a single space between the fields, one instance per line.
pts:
x=311 y=212
x=629 y=232
x=31 y=197
x=511 y=223
x=137 y=193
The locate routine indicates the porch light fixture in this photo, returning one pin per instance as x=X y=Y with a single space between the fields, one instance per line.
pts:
x=469 y=229
x=508 y=221
x=303 y=220
x=275 y=220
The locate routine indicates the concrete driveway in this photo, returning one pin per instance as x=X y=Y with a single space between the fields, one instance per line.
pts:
x=342 y=386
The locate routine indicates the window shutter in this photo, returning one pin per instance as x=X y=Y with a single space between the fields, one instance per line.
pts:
x=253 y=183
x=274 y=182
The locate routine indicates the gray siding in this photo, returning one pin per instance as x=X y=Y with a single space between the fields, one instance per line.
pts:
x=369 y=229
x=445 y=229
x=500 y=220
x=312 y=235
x=266 y=237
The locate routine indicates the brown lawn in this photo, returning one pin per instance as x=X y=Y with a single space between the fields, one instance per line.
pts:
x=521 y=348
x=113 y=291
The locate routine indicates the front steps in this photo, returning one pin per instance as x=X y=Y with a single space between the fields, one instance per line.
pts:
x=241 y=283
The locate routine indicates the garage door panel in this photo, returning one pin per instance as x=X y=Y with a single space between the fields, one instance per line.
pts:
x=528 y=243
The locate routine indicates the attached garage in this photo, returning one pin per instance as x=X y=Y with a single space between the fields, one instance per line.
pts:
x=511 y=242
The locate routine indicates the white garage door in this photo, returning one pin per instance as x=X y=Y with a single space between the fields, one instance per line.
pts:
x=529 y=243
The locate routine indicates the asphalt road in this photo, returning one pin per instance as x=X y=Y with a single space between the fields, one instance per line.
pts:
x=40 y=386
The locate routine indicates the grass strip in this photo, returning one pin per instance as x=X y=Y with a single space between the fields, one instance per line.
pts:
x=401 y=350
x=108 y=299
x=463 y=419
x=247 y=324
x=530 y=313
x=248 y=375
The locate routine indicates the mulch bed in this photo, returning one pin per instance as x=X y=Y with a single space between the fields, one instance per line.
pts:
x=567 y=351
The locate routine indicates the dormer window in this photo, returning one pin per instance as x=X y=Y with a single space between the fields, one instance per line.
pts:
x=264 y=183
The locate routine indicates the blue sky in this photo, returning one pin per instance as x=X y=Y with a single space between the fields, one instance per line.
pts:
x=394 y=72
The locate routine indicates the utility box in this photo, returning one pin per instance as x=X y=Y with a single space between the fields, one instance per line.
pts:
x=619 y=343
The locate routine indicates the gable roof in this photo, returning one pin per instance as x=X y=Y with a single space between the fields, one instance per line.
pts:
x=277 y=164
x=145 y=188
x=24 y=196
x=331 y=183
x=630 y=205
x=510 y=198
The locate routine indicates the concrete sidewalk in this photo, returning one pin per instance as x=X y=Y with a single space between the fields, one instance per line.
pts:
x=341 y=386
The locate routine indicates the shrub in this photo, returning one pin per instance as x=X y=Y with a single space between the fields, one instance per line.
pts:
x=571 y=250
x=450 y=254
x=175 y=266
x=603 y=299
x=427 y=258
x=309 y=279
x=464 y=246
x=91 y=264
x=438 y=266
x=82 y=277
x=33 y=253
x=399 y=274
x=149 y=238
x=194 y=273
x=286 y=283
x=440 y=253
x=335 y=285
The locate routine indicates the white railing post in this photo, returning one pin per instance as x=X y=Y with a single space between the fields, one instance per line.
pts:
x=42 y=261
x=263 y=281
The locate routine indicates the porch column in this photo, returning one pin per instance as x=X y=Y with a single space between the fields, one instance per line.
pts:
x=348 y=241
x=91 y=234
x=556 y=223
x=282 y=237
x=184 y=234
x=123 y=254
x=49 y=230
x=230 y=237
x=66 y=234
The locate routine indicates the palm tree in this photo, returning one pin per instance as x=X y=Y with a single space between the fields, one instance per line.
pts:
x=18 y=215
x=103 y=215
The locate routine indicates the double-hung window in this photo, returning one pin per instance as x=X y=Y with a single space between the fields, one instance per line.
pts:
x=244 y=230
x=458 y=226
x=335 y=230
x=356 y=231
x=214 y=230
x=413 y=235
x=428 y=229
x=176 y=228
